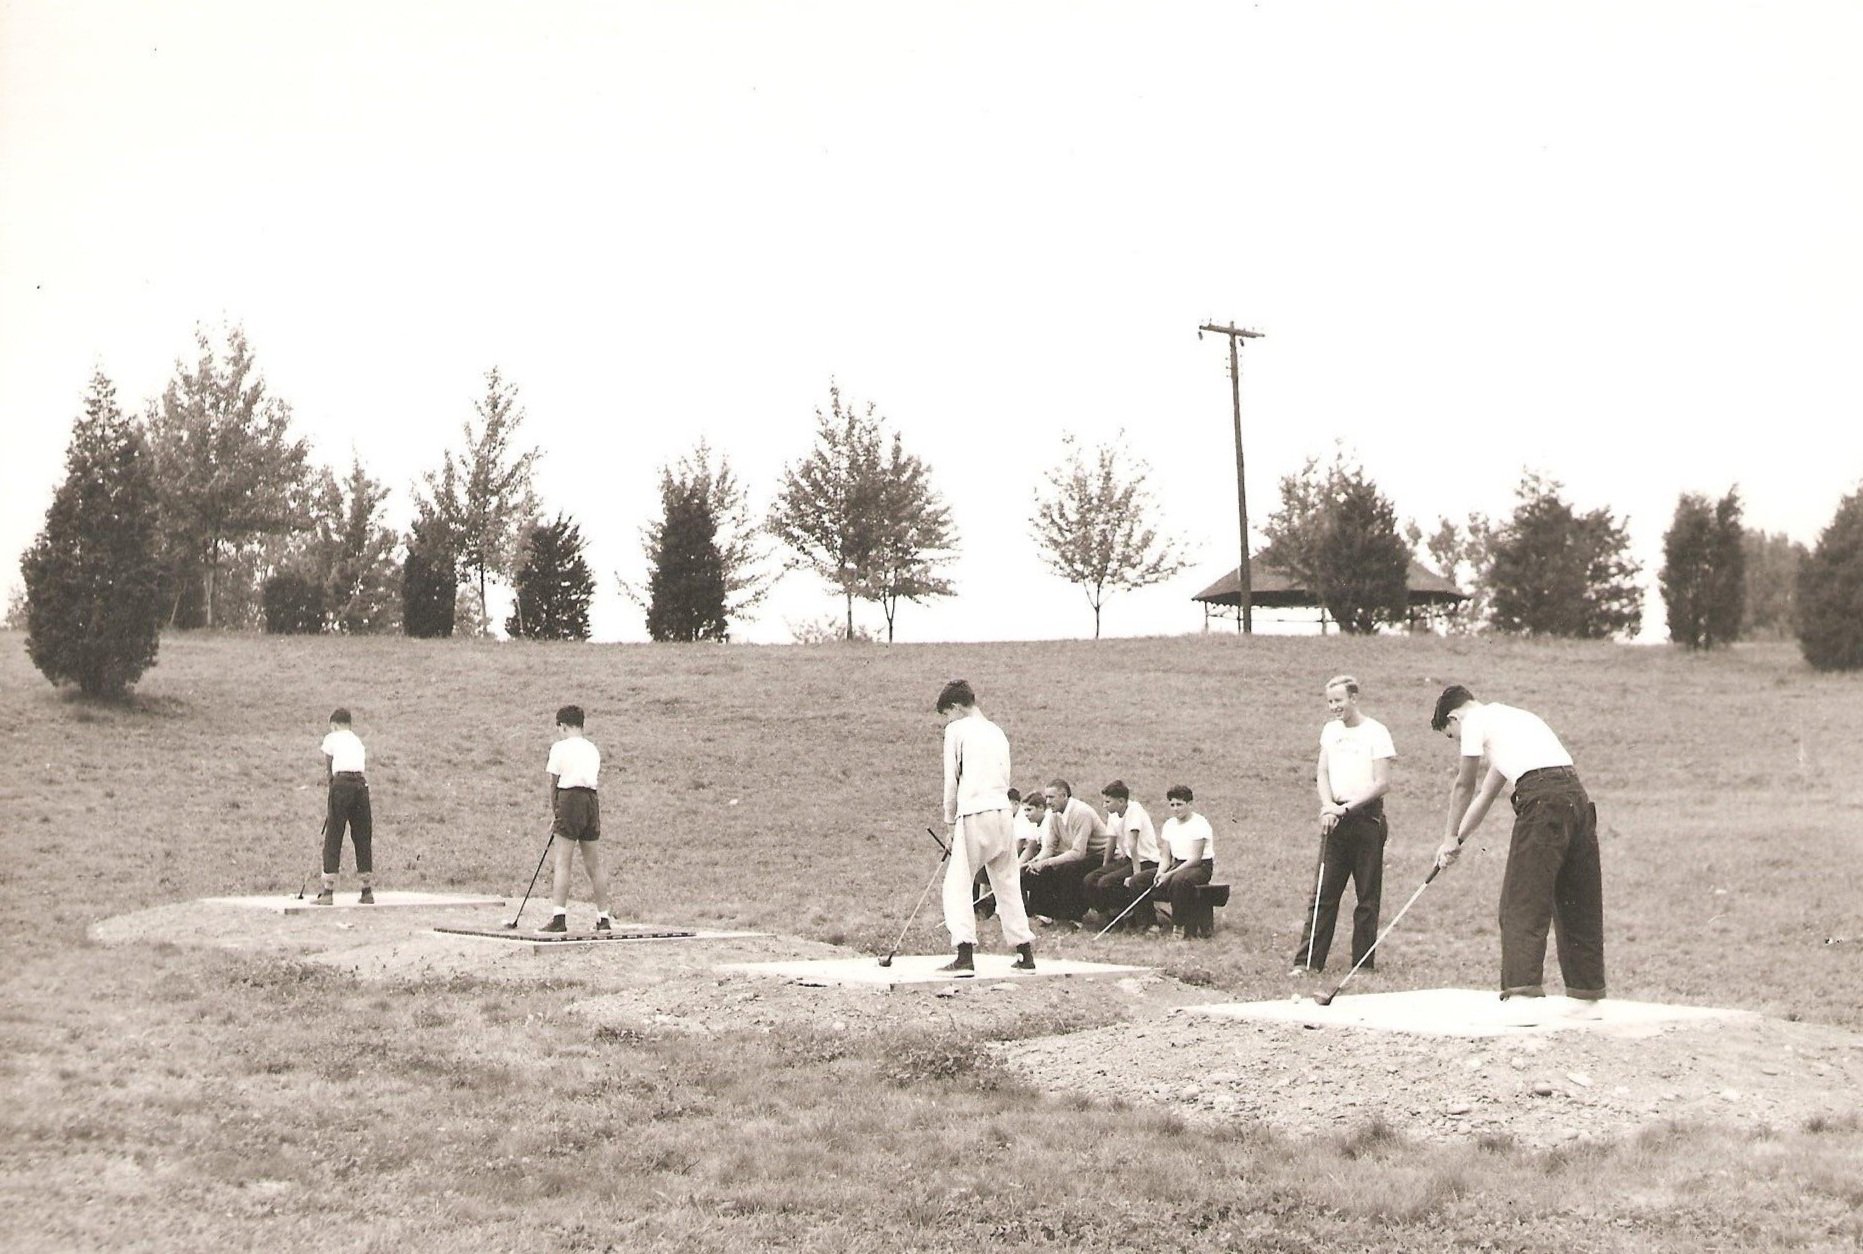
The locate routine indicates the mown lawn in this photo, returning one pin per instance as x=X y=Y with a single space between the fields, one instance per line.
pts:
x=173 y=1098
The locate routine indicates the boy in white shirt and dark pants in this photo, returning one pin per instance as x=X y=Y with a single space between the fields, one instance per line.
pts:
x=575 y=767
x=1554 y=875
x=977 y=812
x=1353 y=775
x=346 y=806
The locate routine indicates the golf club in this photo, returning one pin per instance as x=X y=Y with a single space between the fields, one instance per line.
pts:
x=1128 y=910
x=1326 y=999
x=533 y=879
x=1319 y=877
x=944 y=853
x=321 y=833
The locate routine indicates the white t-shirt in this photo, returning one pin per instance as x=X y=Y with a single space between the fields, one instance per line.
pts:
x=1513 y=740
x=1138 y=839
x=1350 y=752
x=344 y=749
x=1182 y=834
x=575 y=761
x=1023 y=831
x=976 y=767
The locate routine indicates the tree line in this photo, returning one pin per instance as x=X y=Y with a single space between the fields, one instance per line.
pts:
x=206 y=511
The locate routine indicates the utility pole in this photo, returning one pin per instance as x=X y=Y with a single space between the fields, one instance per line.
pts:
x=1245 y=621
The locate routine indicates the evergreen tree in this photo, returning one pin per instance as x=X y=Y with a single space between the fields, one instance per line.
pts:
x=686 y=575
x=93 y=575
x=429 y=587
x=553 y=584
x=1555 y=572
x=1830 y=592
x=1772 y=562
x=703 y=553
x=1096 y=524
x=229 y=473
x=1364 y=564
x=483 y=495
x=294 y=605
x=1703 y=576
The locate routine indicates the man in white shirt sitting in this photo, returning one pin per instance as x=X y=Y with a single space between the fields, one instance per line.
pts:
x=1135 y=859
x=1190 y=860
x=1553 y=872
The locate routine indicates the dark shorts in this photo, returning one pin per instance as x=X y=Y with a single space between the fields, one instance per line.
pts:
x=578 y=814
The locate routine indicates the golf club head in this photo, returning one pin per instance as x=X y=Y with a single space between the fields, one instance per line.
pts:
x=1325 y=999
x=887 y=961
x=512 y=925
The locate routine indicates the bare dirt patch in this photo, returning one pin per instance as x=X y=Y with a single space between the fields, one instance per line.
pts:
x=1750 y=1072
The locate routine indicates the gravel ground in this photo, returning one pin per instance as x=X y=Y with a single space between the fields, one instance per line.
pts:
x=1126 y=1038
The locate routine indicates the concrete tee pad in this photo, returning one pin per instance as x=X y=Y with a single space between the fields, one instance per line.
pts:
x=385 y=899
x=921 y=969
x=1469 y=1012
x=637 y=932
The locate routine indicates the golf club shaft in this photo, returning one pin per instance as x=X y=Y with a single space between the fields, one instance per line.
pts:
x=1386 y=932
x=533 y=879
x=1128 y=910
x=322 y=831
x=1319 y=878
x=936 y=871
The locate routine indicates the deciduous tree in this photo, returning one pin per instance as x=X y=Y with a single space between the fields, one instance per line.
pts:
x=483 y=494
x=1096 y=523
x=92 y=576
x=1830 y=592
x=553 y=585
x=1772 y=562
x=916 y=539
x=1556 y=572
x=1337 y=534
x=227 y=468
x=1703 y=576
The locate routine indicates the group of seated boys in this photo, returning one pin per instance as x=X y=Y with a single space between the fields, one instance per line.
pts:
x=1118 y=866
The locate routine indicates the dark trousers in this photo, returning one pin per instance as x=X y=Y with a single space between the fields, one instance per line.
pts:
x=1354 y=850
x=1194 y=917
x=1058 y=892
x=348 y=807
x=1107 y=893
x=1553 y=876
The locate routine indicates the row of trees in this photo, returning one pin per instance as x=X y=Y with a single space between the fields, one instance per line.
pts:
x=208 y=512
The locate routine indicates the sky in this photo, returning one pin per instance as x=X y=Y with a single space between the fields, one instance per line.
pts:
x=1616 y=243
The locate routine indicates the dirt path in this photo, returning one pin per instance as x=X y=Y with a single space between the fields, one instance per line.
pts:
x=1138 y=1042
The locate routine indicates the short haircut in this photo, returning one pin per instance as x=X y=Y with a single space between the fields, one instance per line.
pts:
x=1117 y=790
x=569 y=716
x=1454 y=697
x=1063 y=785
x=1179 y=792
x=1015 y=796
x=340 y=717
x=1036 y=799
x=954 y=694
x=1343 y=681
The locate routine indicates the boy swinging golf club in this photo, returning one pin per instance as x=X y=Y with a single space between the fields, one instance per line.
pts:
x=347 y=807
x=977 y=811
x=574 y=767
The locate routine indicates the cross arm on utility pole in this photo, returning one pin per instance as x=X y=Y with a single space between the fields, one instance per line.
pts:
x=1229 y=330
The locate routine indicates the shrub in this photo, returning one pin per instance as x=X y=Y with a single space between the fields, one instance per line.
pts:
x=293 y=605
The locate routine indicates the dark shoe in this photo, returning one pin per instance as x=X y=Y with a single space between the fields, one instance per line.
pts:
x=601 y=925
x=1025 y=958
x=367 y=898
x=326 y=898
x=557 y=923
x=963 y=964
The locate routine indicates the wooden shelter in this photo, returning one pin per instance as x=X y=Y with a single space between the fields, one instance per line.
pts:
x=1272 y=587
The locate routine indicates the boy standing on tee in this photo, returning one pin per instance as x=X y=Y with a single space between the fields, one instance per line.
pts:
x=576 y=817
x=976 y=809
x=348 y=806
x=1353 y=776
x=1553 y=872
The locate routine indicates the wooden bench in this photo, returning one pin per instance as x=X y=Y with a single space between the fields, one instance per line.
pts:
x=1207 y=900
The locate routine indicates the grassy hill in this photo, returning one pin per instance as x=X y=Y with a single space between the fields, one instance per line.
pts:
x=787 y=789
